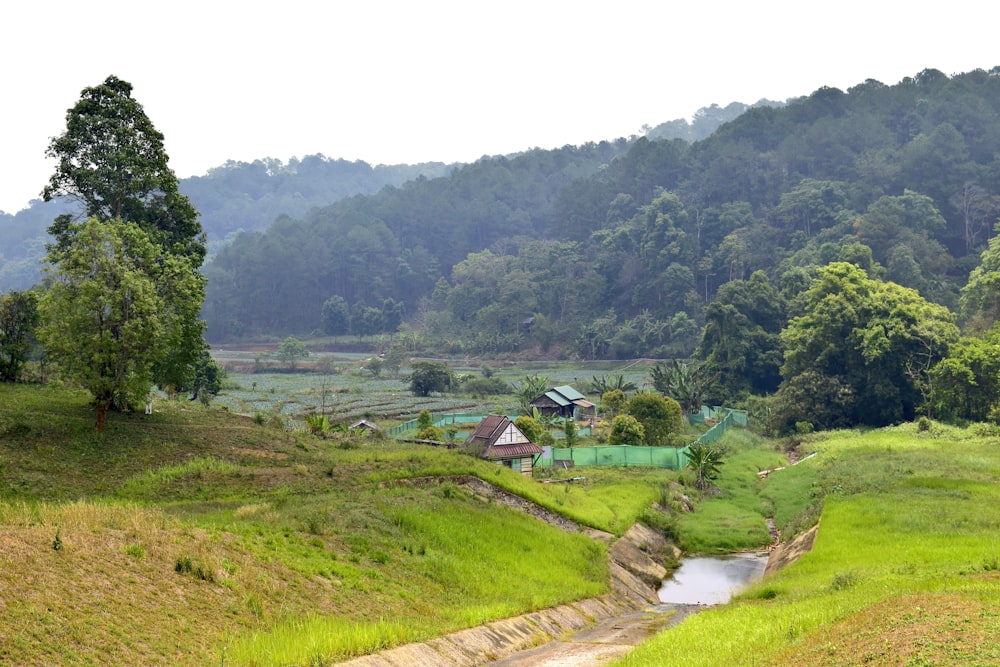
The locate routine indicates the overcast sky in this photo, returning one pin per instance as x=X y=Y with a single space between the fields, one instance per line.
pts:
x=433 y=80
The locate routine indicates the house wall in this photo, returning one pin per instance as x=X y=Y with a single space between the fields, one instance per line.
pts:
x=510 y=435
x=526 y=466
x=524 y=463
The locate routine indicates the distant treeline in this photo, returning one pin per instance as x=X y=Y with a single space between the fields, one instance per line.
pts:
x=617 y=248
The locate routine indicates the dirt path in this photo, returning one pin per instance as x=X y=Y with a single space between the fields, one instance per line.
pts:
x=602 y=643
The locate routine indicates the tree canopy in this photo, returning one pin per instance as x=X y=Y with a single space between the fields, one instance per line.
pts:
x=876 y=341
x=106 y=319
x=111 y=159
x=430 y=376
x=661 y=418
x=18 y=319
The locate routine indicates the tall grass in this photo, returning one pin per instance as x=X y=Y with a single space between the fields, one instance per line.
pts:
x=150 y=484
x=84 y=515
x=315 y=640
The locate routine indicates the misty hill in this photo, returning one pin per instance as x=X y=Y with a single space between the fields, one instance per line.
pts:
x=249 y=196
x=616 y=249
x=234 y=197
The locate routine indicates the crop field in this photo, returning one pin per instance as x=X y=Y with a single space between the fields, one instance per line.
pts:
x=337 y=385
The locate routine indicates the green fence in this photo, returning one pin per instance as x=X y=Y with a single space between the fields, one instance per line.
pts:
x=610 y=455
x=447 y=419
x=658 y=457
x=729 y=419
x=440 y=420
x=618 y=455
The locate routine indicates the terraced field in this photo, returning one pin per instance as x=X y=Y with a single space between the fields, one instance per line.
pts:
x=338 y=385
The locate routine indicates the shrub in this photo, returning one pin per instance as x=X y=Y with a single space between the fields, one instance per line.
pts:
x=135 y=551
x=195 y=567
x=430 y=433
x=626 y=430
x=660 y=416
x=662 y=522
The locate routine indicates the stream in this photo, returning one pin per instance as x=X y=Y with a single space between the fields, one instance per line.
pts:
x=708 y=580
x=698 y=582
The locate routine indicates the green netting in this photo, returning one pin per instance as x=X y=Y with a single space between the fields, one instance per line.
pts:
x=619 y=455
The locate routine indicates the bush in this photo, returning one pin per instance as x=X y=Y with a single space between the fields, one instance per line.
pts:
x=660 y=416
x=626 y=430
x=430 y=433
x=662 y=522
x=195 y=567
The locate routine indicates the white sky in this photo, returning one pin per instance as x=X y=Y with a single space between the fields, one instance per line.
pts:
x=393 y=81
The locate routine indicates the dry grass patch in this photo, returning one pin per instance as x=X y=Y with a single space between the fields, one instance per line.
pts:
x=112 y=593
x=923 y=629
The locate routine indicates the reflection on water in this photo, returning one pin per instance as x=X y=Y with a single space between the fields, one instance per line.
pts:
x=712 y=579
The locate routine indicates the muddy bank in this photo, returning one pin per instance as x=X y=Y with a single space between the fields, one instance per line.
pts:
x=789 y=552
x=635 y=565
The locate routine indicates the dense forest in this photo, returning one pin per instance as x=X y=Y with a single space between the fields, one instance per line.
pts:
x=247 y=197
x=616 y=249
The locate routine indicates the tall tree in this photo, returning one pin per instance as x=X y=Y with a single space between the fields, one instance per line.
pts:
x=111 y=159
x=981 y=295
x=741 y=345
x=966 y=384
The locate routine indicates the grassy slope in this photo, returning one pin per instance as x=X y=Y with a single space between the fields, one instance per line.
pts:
x=905 y=570
x=290 y=549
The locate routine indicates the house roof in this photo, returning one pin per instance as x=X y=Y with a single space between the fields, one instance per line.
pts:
x=557 y=398
x=569 y=393
x=514 y=450
x=484 y=440
x=488 y=431
x=563 y=396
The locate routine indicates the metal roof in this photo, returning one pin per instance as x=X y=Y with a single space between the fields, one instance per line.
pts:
x=570 y=393
x=557 y=398
x=514 y=450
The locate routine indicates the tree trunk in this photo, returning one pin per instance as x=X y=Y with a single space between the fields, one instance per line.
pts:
x=102 y=414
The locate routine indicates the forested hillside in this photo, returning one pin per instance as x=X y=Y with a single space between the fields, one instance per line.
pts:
x=248 y=196
x=617 y=249
x=234 y=197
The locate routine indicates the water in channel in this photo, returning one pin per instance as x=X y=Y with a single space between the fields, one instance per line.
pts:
x=709 y=580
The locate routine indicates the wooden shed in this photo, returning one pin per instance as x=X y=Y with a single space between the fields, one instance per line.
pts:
x=564 y=402
x=498 y=439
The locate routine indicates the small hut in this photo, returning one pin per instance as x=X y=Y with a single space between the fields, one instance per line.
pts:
x=564 y=402
x=364 y=425
x=498 y=439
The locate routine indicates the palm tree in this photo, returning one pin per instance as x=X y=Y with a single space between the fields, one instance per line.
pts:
x=530 y=388
x=705 y=461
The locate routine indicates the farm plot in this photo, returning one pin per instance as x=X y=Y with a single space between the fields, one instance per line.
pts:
x=343 y=398
x=337 y=385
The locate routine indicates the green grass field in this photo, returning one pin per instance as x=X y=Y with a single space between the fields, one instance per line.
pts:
x=194 y=534
x=905 y=569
